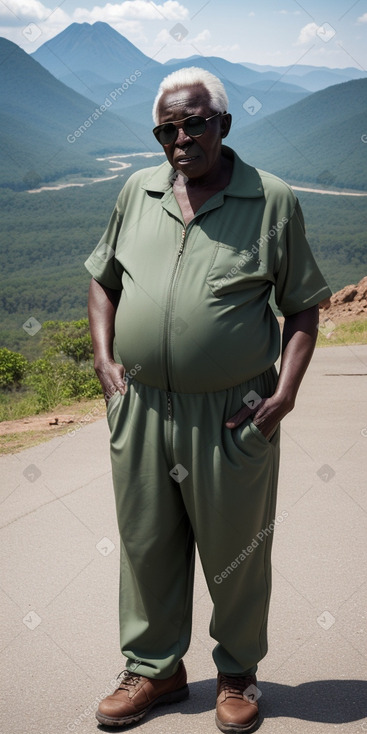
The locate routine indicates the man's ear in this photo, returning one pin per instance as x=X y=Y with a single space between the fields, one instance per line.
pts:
x=226 y=123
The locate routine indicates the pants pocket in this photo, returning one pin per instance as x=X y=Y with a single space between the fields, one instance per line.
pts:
x=112 y=406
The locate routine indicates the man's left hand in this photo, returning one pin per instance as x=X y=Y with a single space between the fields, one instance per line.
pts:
x=266 y=416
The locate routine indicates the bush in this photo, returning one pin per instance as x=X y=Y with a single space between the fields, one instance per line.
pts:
x=71 y=338
x=12 y=368
x=57 y=382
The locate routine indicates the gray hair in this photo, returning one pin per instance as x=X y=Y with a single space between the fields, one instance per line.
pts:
x=187 y=77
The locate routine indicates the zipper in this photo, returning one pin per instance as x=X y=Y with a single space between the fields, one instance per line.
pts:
x=168 y=313
x=169 y=406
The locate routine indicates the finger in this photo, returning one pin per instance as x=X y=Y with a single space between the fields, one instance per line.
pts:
x=238 y=417
x=109 y=392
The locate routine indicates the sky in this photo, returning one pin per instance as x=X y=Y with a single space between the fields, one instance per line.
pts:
x=330 y=33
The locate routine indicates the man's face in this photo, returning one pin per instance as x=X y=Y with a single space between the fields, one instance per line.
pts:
x=195 y=157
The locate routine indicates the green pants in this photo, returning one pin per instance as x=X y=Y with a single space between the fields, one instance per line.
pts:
x=181 y=477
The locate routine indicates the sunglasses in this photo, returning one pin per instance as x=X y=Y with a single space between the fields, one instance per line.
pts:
x=194 y=126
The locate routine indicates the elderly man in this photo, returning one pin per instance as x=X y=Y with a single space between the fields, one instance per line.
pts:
x=181 y=284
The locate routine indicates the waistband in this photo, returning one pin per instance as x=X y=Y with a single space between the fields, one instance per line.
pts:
x=266 y=380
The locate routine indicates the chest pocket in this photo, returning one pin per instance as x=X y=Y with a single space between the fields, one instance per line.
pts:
x=233 y=270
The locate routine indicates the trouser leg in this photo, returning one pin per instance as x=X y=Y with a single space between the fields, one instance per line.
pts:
x=157 y=548
x=230 y=497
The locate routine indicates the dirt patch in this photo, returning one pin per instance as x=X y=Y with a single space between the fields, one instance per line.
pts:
x=348 y=304
x=25 y=432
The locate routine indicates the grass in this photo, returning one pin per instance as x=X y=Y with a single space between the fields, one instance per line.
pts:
x=15 y=405
x=14 y=442
x=344 y=334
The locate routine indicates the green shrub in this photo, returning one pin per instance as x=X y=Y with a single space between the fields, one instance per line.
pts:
x=57 y=382
x=12 y=368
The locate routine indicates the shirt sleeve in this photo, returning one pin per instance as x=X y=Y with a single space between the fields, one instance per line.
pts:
x=299 y=283
x=102 y=263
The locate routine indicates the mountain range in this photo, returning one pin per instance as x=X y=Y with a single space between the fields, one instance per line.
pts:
x=89 y=91
x=93 y=59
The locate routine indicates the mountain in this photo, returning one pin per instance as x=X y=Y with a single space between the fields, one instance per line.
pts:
x=83 y=50
x=95 y=59
x=94 y=47
x=39 y=115
x=312 y=78
x=317 y=140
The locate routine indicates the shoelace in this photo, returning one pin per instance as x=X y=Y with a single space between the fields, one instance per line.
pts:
x=235 y=686
x=128 y=679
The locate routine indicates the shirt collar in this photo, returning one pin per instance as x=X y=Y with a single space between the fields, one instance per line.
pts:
x=245 y=181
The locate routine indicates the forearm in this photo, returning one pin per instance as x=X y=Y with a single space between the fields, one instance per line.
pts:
x=299 y=339
x=102 y=306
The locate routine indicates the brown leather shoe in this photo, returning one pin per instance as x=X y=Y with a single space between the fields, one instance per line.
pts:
x=136 y=695
x=237 y=709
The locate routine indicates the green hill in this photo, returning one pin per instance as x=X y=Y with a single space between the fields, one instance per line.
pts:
x=316 y=140
x=39 y=115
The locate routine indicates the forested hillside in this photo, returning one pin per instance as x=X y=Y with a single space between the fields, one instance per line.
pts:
x=47 y=236
x=39 y=120
x=321 y=139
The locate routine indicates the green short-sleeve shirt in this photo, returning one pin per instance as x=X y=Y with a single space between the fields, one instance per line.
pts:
x=194 y=311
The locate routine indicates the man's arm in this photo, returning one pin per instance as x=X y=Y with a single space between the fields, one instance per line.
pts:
x=299 y=339
x=102 y=306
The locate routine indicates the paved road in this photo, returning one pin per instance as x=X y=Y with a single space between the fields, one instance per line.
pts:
x=59 y=582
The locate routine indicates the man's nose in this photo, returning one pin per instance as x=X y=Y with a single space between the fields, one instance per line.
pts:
x=182 y=137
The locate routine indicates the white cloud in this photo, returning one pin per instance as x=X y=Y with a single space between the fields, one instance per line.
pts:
x=363 y=18
x=168 y=47
x=252 y=14
x=307 y=33
x=27 y=10
x=201 y=37
x=132 y=9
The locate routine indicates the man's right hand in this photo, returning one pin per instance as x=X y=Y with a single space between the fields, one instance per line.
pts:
x=112 y=378
x=102 y=306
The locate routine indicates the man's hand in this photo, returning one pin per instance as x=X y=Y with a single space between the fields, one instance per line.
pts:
x=112 y=378
x=299 y=338
x=266 y=416
x=102 y=306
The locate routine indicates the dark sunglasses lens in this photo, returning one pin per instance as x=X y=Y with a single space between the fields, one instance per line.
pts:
x=195 y=126
x=167 y=134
